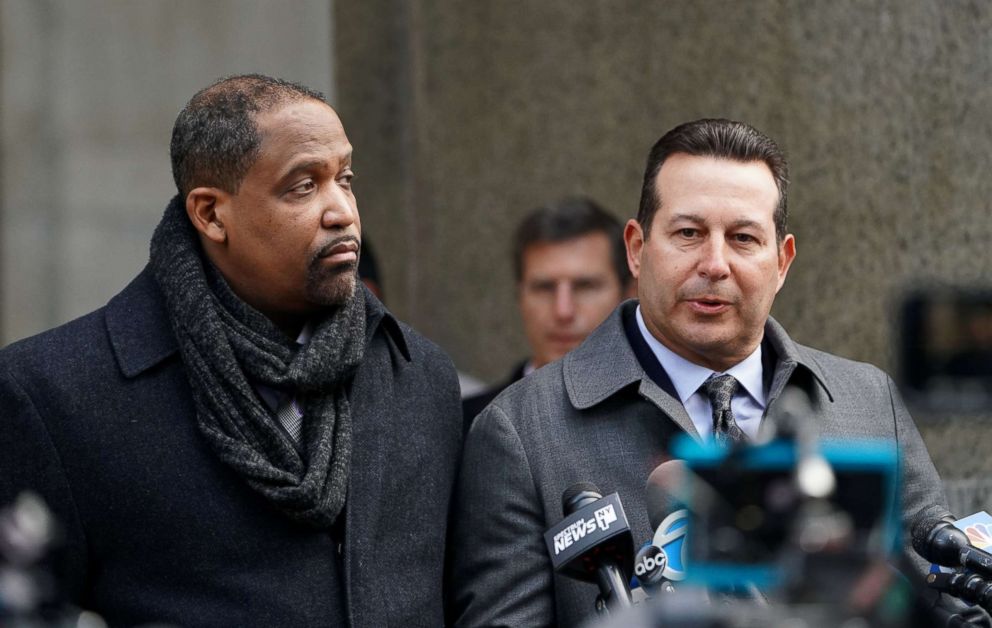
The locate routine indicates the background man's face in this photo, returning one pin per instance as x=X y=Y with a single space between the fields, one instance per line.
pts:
x=711 y=268
x=293 y=231
x=567 y=288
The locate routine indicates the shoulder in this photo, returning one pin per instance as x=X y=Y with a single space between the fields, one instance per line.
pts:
x=67 y=348
x=427 y=357
x=422 y=349
x=419 y=369
x=841 y=370
x=124 y=337
x=838 y=375
x=530 y=405
x=547 y=381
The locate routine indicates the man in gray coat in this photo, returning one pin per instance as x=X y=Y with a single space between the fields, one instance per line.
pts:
x=697 y=353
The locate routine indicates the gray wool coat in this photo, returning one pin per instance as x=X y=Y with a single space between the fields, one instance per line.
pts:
x=97 y=417
x=595 y=416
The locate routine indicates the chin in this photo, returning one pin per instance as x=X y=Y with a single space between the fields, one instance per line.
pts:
x=331 y=286
x=334 y=292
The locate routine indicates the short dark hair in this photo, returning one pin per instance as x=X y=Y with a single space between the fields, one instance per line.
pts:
x=568 y=219
x=215 y=140
x=715 y=137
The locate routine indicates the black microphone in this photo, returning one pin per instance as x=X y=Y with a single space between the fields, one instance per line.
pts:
x=937 y=540
x=593 y=543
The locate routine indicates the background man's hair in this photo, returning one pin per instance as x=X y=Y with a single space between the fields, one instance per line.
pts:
x=715 y=138
x=215 y=139
x=568 y=219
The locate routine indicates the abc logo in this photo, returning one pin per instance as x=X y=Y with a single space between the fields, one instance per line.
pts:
x=649 y=563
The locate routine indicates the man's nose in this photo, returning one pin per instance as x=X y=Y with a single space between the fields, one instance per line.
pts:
x=564 y=304
x=339 y=210
x=713 y=261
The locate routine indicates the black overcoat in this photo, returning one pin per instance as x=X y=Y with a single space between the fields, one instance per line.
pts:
x=97 y=416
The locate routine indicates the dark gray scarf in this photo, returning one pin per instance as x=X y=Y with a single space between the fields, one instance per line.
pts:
x=228 y=347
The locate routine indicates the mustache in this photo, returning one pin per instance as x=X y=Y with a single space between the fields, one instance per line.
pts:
x=328 y=246
x=707 y=290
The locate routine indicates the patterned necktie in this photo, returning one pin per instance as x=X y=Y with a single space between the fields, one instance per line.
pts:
x=290 y=415
x=720 y=389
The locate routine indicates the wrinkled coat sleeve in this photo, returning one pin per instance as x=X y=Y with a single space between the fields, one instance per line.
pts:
x=922 y=491
x=501 y=573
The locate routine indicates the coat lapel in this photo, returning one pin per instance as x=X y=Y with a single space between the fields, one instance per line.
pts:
x=605 y=364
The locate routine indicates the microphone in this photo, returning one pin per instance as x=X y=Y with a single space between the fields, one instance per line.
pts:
x=937 y=540
x=664 y=559
x=593 y=543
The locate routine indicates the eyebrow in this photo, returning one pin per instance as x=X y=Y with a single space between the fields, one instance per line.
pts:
x=304 y=165
x=697 y=219
x=311 y=164
x=746 y=223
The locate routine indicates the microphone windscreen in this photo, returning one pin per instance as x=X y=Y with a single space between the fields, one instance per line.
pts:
x=578 y=495
x=664 y=490
x=923 y=525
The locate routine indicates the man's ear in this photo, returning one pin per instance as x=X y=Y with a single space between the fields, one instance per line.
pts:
x=633 y=237
x=206 y=208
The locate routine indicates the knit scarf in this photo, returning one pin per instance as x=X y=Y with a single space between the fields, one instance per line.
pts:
x=228 y=347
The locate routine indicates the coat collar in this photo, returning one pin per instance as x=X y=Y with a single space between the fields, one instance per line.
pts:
x=604 y=364
x=141 y=333
x=138 y=325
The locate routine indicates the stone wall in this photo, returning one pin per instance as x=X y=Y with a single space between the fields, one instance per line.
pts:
x=467 y=114
x=88 y=94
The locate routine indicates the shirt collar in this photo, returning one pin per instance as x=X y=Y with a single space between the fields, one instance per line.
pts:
x=305 y=334
x=687 y=376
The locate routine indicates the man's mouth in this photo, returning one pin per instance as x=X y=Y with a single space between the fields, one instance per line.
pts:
x=565 y=339
x=342 y=251
x=709 y=304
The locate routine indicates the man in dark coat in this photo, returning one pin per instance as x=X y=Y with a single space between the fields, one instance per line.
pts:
x=244 y=435
x=570 y=267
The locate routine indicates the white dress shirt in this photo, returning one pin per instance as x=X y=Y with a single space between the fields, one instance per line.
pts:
x=748 y=404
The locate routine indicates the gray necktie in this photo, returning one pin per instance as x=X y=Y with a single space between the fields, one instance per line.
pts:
x=720 y=389
x=290 y=415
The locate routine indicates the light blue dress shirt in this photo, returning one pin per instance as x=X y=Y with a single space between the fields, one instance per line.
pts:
x=748 y=405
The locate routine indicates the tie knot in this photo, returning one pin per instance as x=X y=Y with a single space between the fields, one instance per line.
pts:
x=721 y=389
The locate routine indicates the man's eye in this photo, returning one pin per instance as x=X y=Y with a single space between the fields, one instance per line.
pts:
x=346 y=178
x=588 y=285
x=304 y=187
x=688 y=232
x=745 y=238
x=542 y=288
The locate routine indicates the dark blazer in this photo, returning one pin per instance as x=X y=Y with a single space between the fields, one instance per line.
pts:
x=596 y=416
x=97 y=417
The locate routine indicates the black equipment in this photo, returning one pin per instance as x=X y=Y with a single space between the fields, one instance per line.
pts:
x=593 y=543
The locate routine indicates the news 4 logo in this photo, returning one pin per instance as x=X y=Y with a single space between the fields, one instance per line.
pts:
x=670 y=559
